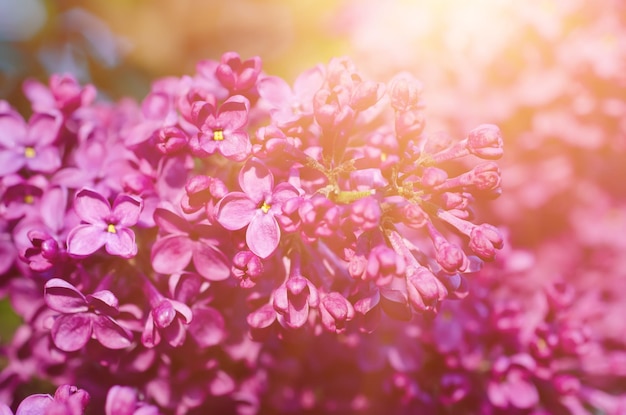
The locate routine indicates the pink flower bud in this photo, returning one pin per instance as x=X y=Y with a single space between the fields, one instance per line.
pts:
x=485 y=141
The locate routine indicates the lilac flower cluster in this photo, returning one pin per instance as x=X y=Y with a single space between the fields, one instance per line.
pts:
x=145 y=246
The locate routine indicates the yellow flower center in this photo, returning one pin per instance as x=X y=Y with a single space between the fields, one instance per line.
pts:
x=111 y=228
x=218 y=135
x=29 y=152
x=265 y=207
x=383 y=157
x=29 y=199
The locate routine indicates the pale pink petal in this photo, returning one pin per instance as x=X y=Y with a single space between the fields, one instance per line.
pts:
x=92 y=207
x=43 y=129
x=236 y=211
x=12 y=129
x=210 y=262
x=275 y=90
x=282 y=193
x=10 y=161
x=256 y=180
x=263 y=235
x=84 y=240
x=46 y=160
x=171 y=254
x=71 y=332
x=236 y=145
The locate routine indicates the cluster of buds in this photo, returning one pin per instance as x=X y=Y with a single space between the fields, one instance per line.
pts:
x=228 y=202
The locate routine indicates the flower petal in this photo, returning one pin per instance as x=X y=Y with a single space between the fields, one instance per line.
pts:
x=170 y=222
x=34 y=404
x=171 y=254
x=210 y=262
x=121 y=400
x=71 y=332
x=47 y=160
x=256 y=180
x=10 y=162
x=12 y=129
x=235 y=211
x=207 y=327
x=233 y=113
x=263 y=235
x=236 y=145
x=63 y=297
x=84 y=240
x=91 y=206
x=121 y=243
x=126 y=210
x=43 y=128
x=110 y=334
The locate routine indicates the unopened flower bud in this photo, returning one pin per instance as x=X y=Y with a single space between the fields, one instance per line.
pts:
x=485 y=141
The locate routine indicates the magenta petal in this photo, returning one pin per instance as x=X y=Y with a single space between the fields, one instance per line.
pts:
x=256 y=180
x=91 y=206
x=84 y=240
x=263 y=235
x=121 y=243
x=53 y=206
x=126 y=210
x=110 y=334
x=121 y=400
x=235 y=211
x=176 y=333
x=63 y=297
x=210 y=262
x=207 y=327
x=34 y=404
x=171 y=254
x=523 y=393
x=150 y=336
x=71 y=332
x=170 y=222
x=233 y=113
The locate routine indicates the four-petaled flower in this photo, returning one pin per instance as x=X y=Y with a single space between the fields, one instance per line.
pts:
x=83 y=317
x=105 y=226
x=256 y=207
x=222 y=130
x=29 y=145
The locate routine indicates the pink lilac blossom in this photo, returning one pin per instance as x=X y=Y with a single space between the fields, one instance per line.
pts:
x=315 y=248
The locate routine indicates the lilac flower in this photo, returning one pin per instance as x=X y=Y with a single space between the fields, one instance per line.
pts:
x=287 y=106
x=512 y=386
x=63 y=93
x=222 y=130
x=185 y=243
x=67 y=400
x=293 y=301
x=236 y=75
x=84 y=317
x=123 y=400
x=256 y=207
x=29 y=145
x=105 y=225
x=168 y=319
